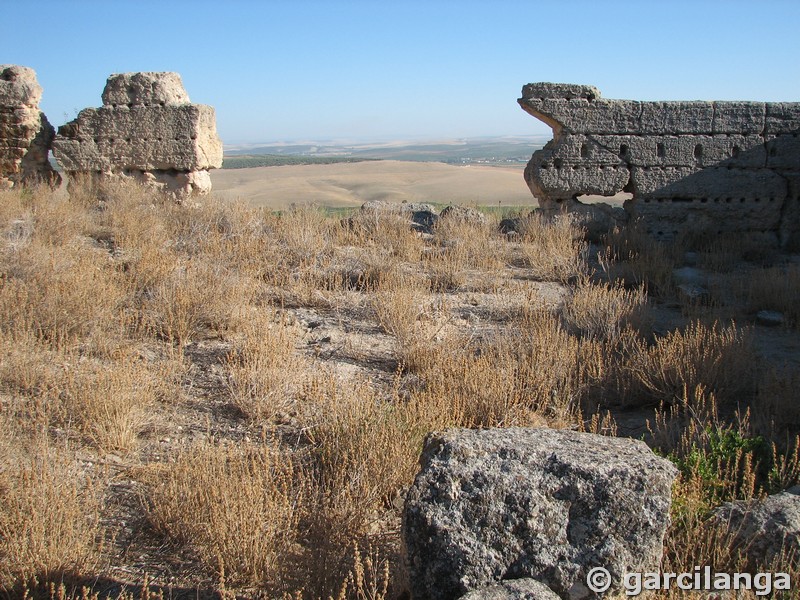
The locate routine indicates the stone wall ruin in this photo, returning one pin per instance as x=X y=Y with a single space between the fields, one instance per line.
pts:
x=146 y=130
x=699 y=167
x=25 y=133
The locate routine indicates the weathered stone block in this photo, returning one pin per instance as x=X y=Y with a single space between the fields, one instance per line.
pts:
x=140 y=137
x=674 y=118
x=562 y=91
x=19 y=87
x=588 y=116
x=766 y=528
x=742 y=118
x=550 y=505
x=783 y=152
x=782 y=117
x=25 y=133
x=147 y=130
x=691 y=154
x=128 y=89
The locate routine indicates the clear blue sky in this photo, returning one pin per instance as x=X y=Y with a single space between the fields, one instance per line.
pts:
x=306 y=69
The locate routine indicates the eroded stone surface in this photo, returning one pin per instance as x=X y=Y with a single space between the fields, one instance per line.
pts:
x=707 y=167
x=25 y=133
x=146 y=130
x=516 y=589
x=550 y=505
x=765 y=529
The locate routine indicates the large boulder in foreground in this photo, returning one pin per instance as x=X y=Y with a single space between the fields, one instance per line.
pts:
x=765 y=529
x=545 y=504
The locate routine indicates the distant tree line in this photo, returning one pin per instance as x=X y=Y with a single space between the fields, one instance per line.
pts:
x=243 y=161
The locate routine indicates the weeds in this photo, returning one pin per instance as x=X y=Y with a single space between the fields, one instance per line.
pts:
x=180 y=344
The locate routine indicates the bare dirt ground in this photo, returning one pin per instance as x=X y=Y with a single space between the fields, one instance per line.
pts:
x=352 y=184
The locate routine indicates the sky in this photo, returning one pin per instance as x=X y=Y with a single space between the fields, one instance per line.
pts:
x=368 y=70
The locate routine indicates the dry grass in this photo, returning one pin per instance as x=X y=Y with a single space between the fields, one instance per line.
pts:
x=718 y=358
x=264 y=371
x=226 y=359
x=49 y=517
x=553 y=250
x=603 y=311
x=775 y=288
x=236 y=507
x=719 y=461
x=634 y=259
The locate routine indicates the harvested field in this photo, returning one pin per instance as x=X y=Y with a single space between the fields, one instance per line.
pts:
x=341 y=185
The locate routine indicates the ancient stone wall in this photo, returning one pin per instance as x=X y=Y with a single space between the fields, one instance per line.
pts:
x=146 y=130
x=708 y=167
x=25 y=133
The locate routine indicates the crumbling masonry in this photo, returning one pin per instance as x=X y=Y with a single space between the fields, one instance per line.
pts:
x=146 y=130
x=706 y=167
x=25 y=134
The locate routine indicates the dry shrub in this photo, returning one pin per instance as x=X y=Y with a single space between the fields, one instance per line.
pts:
x=363 y=451
x=49 y=518
x=603 y=311
x=237 y=508
x=304 y=235
x=474 y=245
x=63 y=295
x=445 y=270
x=719 y=461
x=553 y=248
x=369 y=576
x=28 y=367
x=264 y=371
x=353 y=432
x=634 y=259
x=534 y=375
x=107 y=403
x=719 y=358
x=725 y=252
x=398 y=302
x=460 y=250
x=196 y=296
x=776 y=288
x=382 y=231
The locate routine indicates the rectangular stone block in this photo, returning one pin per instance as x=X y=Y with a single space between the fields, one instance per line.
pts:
x=782 y=117
x=709 y=183
x=585 y=151
x=563 y=182
x=583 y=116
x=143 y=138
x=677 y=118
x=744 y=118
x=783 y=152
x=665 y=217
x=562 y=91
